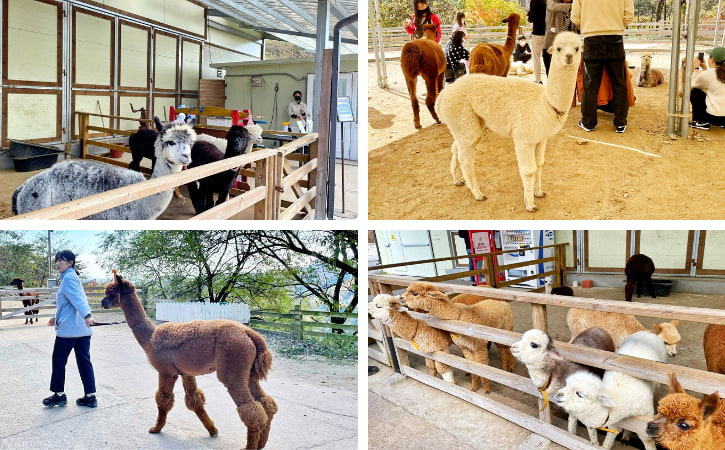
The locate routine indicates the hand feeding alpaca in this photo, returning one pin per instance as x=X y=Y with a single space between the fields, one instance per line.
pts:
x=203 y=152
x=424 y=57
x=427 y=298
x=548 y=370
x=74 y=180
x=495 y=59
x=237 y=353
x=604 y=402
x=386 y=308
x=527 y=112
x=686 y=423
x=649 y=77
x=18 y=283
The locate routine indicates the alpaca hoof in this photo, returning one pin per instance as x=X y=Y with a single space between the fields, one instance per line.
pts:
x=417 y=125
x=487 y=390
x=213 y=432
x=540 y=195
x=459 y=183
x=480 y=197
x=154 y=430
x=531 y=209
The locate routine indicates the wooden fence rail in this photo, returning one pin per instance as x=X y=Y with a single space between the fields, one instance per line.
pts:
x=273 y=175
x=394 y=351
x=295 y=325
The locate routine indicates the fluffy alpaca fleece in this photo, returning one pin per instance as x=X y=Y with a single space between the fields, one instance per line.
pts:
x=73 y=180
x=427 y=298
x=424 y=57
x=386 y=308
x=621 y=326
x=527 y=112
x=648 y=76
x=686 y=423
x=714 y=345
x=604 y=402
x=520 y=69
x=548 y=370
x=469 y=299
x=255 y=134
x=495 y=59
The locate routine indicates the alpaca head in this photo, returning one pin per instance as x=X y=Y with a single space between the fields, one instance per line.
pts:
x=682 y=420
x=430 y=32
x=583 y=396
x=513 y=20
x=533 y=347
x=18 y=282
x=255 y=131
x=667 y=331
x=381 y=305
x=237 y=140
x=566 y=51
x=173 y=143
x=646 y=60
x=114 y=290
x=422 y=296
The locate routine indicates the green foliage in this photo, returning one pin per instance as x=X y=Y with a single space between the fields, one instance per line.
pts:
x=26 y=256
x=491 y=12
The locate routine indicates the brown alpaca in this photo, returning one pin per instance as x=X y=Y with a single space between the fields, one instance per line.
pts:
x=237 y=353
x=18 y=282
x=649 y=77
x=427 y=298
x=469 y=299
x=495 y=59
x=424 y=57
x=686 y=423
x=714 y=345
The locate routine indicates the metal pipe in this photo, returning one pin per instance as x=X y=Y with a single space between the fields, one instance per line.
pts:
x=674 y=68
x=689 y=55
x=378 y=45
x=331 y=146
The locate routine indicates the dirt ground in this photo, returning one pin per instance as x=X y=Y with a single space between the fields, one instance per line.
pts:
x=409 y=177
x=689 y=351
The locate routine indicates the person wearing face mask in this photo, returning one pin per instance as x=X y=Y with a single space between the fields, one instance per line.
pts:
x=300 y=117
x=422 y=16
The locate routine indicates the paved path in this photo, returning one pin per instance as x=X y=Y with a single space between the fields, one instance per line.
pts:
x=317 y=400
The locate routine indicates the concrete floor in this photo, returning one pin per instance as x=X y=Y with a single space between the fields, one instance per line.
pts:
x=317 y=399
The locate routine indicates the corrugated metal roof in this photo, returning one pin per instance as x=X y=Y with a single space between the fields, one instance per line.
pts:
x=296 y=18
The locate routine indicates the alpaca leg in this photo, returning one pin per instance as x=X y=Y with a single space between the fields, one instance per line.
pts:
x=468 y=354
x=571 y=424
x=413 y=100
x=222 y=197
x=164 y=400
x=609 y=440
x=430 y=97
x=430 y=364
x=507 y=359
x=237 y=382
x=269 y=405
x=540 y=151
x=442 y=368
x=650 y=288
x=482 y=357
x=195 y=401
x=467 y=159
x=195 y=196
x=525 y=154
x=593 y=438
x=629 y=289
x=455 y=166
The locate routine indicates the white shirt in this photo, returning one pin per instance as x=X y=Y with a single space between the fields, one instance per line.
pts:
x=715 y=100
x=294 y=108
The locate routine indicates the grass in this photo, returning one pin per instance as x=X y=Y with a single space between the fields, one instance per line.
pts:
x=338 y=349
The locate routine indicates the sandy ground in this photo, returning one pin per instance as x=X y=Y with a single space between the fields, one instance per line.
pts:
x=609 y=182
x=317 y=399
x=690 y=352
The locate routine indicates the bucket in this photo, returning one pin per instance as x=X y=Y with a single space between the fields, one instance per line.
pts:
x=116 y=153
x=587 y=283
x=285 y=126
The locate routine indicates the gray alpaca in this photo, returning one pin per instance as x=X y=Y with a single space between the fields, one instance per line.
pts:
x=73 y=180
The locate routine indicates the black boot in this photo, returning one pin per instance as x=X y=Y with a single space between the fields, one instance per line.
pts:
x=90 y=402
x=55 y=400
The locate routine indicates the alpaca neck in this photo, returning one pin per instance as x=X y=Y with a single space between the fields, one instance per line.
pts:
x=511 y=37
x=560 y=90
x=161 y=200
x=136 y=319
x=445 y=310
x=403 y=324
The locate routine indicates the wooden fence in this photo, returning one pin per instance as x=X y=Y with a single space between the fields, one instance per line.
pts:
x=274 y=174
x=294 y=324
x=394 y=351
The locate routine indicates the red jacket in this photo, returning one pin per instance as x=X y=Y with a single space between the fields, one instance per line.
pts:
x=433 y=20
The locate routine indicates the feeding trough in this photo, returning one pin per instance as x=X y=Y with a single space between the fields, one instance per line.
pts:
x=29 y=156
x=662 y=287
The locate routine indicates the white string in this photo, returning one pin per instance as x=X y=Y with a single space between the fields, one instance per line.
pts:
x=613 y=145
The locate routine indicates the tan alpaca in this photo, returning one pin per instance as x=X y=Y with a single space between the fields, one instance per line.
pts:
x=386 y=308
x=648 y=76
x=621 y=326
x=424 y=57
x=427 y=298
x=238 y=354
x=469 y=299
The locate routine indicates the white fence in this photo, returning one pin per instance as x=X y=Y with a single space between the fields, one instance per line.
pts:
x=186 y=312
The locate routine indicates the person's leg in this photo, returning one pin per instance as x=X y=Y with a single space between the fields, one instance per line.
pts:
x=617 y=69
x=537 y=46
x=525 y=58
x=547 y=60
x=82 y=349
x=699 y=108
x=471 y=266
x=61 y=350
x=592 y=79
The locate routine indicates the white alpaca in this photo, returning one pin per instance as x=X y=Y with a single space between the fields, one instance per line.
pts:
x=73 y=180
x=603 y=403
x=255 y=134
x=520 y=109
x=520 y=68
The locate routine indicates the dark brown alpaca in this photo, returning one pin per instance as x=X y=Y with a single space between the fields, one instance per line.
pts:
x=424 y=57
x=495 y=59
x=639 y=270
x=18 y=282
x=237 y=353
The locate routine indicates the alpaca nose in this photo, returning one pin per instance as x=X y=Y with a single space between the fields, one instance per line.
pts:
x=569 y=59
x=653 y=429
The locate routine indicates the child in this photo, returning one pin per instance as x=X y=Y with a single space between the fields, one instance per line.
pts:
x=522 y=51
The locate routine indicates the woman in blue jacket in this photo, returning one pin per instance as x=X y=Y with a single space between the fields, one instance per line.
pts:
x=73 y=332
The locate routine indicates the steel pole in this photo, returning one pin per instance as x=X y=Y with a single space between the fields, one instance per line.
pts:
x=689 y=55
x=674 y=67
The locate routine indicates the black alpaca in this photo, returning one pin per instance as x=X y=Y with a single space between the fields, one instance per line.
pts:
x=639 y=270
x=202 y=191
x=18 y=282
x=141 y=144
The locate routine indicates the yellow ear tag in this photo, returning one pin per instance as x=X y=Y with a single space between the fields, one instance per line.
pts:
x=415 y=346
x=608 y=430
x=454 y=335
x=546 y=400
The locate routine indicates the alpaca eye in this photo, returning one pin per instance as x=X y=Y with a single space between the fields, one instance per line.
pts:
x=414 y=294
x=534 y=345
x=170 y=143
x=683 y=426
x=579 y=394
x=576 y=49
x=558 y=49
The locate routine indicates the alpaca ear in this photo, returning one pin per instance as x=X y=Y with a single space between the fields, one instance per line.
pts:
x=708 y=405
x=656 y=329
x=675 y=386
x=675 y=323
x=191 y=122
x=606 y=401
x=159 y=125
x=550 y=50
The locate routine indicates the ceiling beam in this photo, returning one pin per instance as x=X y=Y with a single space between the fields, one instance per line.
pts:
x=340 y=12
x=293 y=33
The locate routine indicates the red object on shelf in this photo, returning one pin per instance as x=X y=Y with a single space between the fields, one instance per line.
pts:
x=587 y=283
x=482 y=241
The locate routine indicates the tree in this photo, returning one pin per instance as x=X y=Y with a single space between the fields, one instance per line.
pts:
x=491 y=12
x=26 y=256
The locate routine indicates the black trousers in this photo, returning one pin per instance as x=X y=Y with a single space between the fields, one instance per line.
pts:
x=600 y=53
x=699 y=108
x=547 y=60
x=523 y=58
x=61 y=351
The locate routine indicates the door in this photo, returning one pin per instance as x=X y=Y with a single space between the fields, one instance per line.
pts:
x=346 y=87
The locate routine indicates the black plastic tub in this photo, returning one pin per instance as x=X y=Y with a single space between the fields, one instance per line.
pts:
x=29 y=156
x=662 y=287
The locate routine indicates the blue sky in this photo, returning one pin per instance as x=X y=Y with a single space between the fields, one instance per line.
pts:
x=85 y=245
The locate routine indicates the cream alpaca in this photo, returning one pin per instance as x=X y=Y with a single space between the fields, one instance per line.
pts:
x=648 y=77
x=527 y=112
x=424 y=337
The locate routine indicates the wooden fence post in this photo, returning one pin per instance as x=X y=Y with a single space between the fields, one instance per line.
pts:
x=490 y=269
x=561 y=262
x=260 y=179
x=538 y=319
x=397 y=356
x=276 y=165
x=296 y=329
